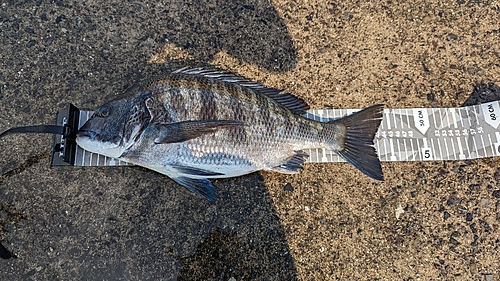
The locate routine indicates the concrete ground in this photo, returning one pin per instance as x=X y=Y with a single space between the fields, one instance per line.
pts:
x=328 y=223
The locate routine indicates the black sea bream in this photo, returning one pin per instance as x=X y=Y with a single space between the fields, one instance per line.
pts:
x=194 y=125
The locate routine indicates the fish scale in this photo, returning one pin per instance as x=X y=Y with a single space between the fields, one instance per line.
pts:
x=194 y=125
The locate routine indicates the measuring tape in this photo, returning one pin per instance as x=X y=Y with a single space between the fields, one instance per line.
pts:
x=405 y=134
x=425 y=134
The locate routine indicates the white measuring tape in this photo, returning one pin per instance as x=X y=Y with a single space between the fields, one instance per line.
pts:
x=406 y=134
x=424 y=134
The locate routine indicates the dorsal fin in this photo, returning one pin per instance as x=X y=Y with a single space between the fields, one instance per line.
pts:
x=291 y=102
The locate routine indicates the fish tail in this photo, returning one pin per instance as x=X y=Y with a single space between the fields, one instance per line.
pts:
x=357 y=146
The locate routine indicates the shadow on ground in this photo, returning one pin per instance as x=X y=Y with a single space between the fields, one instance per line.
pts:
x=141 y=226
x=126 y=223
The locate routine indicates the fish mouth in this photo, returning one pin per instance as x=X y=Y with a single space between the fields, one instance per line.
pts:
x=86 y=134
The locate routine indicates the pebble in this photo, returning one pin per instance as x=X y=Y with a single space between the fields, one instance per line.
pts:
x=496 y=193
x=474 y=243
x=288 y=187
x=485 y=203
x=31 y=43
x=60 y=18
x=468 y=217
x=452 y=200
x=446 y=215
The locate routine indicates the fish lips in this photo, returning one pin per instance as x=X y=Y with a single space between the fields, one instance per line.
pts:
x=86 y=134
x=98 y=131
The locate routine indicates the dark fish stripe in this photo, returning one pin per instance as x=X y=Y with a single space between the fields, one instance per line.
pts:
x=289 y=126
x=208 y=110
x=177 y=103
x=238 y=135
x=269 y=122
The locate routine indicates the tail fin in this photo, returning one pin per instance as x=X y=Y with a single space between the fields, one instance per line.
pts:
x=358 y=147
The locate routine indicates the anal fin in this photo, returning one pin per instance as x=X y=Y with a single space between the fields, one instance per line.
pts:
x=293 y=165
x=202 y=187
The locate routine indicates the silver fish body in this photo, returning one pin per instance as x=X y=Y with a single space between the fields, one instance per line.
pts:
x=194 y=125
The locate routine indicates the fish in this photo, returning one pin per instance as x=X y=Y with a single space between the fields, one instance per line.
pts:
x=194 y=125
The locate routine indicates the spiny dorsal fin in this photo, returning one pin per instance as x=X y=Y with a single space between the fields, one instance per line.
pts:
x=291 y=102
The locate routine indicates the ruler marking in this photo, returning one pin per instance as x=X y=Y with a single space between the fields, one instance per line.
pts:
x=434 y=118
x=461 y=148
x=80 y=119
x=402 y=124
x=461 y=119
x=453 y=147
x=475 y=109
x=467 y=147
x=475 y=147
x=398 y=148
x=385 y=149
x=418 y=151
x=440 y=118
x=408 y=117
x=454 y=115
x=492 y=146
x=433 y=150
x=83 y=157
x=76 y=155
x=440 y=150
x=468 y=116
x=388 y=121
x=391 y=144
x=484 y=146
x=412 y=149
x=446 y=147
x=378 y=147
x=405 y=150
x=394 y=117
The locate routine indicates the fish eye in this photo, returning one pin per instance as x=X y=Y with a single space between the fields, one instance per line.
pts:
x=103 y=112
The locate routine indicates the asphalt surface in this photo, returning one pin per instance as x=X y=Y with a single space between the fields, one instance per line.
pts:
x=326 y=223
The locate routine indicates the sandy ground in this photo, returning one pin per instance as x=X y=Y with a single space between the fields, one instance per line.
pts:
x=329 y=223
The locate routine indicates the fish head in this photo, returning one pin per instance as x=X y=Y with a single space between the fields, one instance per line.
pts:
x=113 y=128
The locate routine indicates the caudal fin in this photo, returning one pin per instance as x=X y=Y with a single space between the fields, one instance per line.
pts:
x=358 y=147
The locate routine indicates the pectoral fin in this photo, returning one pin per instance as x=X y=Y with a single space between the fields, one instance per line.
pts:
x=186 y=130
x=202 y=187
